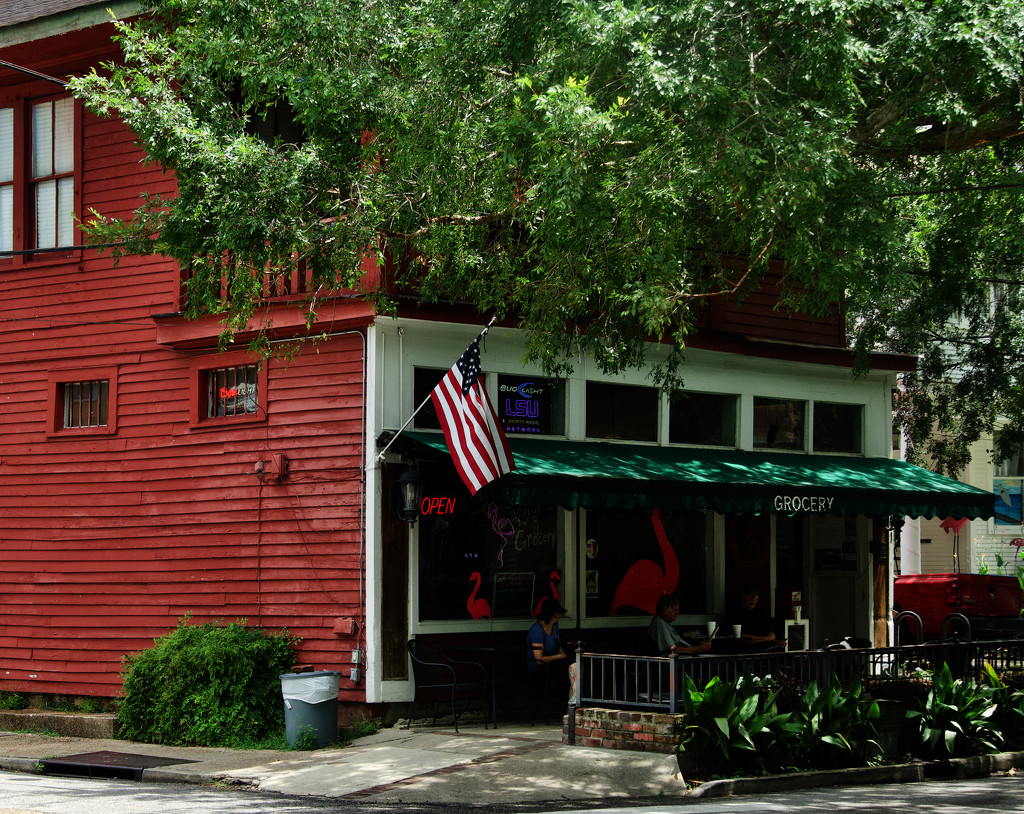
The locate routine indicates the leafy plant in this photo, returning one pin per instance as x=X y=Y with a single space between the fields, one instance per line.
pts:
x=1008 y=718
x=835 y=727
x=733 y=727
x=955 y=719
x=206 y=685
x=13 y=700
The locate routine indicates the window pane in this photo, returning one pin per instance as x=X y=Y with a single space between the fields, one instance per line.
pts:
x=425 y=380
x=65 y=211
x=6 y=144
x=46 y=214
x=42 y=139
x=838 y=427
x=63 y=135
x=6 y=218
x=779 y=423
x=528 y=404
x=485 y=564
x=702 y=418
x=665 y=554
x=622 y=411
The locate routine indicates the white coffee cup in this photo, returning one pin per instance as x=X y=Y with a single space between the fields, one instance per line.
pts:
x=712 y=627
x=736 y=630
x=797 y=610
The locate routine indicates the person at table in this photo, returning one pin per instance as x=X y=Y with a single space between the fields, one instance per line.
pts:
x=755 y=624
x=665 y=637
x=546 y=661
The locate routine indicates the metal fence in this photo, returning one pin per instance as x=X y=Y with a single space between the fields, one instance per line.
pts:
x=655 y=682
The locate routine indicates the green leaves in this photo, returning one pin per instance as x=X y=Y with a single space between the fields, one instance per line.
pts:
x=585 y=165
x=206 y=685
x=955 y=719
x=738 y=729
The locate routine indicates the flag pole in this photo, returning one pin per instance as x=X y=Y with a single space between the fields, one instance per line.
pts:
x=380 y=455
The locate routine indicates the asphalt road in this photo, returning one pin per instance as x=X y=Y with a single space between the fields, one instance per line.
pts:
x=28 y=794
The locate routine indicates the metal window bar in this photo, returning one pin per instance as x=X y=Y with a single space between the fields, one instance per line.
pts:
x=86 y=403
x=655 y=682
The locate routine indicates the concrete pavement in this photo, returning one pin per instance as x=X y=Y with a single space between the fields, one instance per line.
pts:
x=516 y=763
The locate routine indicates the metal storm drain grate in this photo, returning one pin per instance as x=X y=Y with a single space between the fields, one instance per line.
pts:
x=119 y=765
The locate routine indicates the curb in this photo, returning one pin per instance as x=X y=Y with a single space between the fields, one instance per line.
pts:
x=961 y=768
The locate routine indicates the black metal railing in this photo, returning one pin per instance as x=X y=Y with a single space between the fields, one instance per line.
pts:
x=655 y=682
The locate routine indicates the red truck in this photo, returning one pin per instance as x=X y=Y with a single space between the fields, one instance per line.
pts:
x=992 y=604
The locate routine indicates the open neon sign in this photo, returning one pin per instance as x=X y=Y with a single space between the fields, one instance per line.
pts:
x=437 y=505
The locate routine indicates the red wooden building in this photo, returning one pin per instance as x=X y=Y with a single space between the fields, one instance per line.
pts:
x=143 y=474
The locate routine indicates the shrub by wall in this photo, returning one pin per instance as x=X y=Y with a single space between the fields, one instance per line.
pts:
x=207 y=684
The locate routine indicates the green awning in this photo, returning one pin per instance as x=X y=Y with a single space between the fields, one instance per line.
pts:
x=600 y=475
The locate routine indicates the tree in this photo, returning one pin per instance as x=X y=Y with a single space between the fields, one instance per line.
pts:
x=596 y=167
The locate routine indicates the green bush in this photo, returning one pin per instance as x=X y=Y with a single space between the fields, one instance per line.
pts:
x=731 y=728
x=207 y=685
x=834 y=728
x=13 y=700
x=1008 y=716
x=955 y=719
x=737 y=729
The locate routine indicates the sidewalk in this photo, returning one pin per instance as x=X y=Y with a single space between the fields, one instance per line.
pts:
x=517 y=763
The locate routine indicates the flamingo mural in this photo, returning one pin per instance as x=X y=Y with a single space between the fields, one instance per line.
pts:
x=478 y=607
x=645 y=580
x=554 y=579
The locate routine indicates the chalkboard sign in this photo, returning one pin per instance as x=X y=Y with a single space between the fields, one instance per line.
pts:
x=513 y=593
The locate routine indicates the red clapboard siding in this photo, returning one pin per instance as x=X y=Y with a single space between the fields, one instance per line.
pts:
x=108 y=539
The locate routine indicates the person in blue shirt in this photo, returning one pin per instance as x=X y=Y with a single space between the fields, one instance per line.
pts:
x=543 y=646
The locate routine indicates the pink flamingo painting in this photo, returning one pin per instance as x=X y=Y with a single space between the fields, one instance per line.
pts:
x=478 y=607
x=645 y=580
x=554 y=580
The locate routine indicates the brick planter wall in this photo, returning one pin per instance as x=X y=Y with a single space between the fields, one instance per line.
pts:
x=615 y=729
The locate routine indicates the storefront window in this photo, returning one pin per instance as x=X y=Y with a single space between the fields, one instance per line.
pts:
x=703 y=419
x=621 y=411
x=838 y=427
x=632 y=559
x=531 y=405
x=779 y=423
x=483 y=561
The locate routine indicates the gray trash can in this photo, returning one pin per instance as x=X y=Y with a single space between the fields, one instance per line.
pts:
x=311 y=706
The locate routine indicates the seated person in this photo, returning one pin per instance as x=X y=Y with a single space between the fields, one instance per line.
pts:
x=755 y=625
x=665 y=637
x=545 y=659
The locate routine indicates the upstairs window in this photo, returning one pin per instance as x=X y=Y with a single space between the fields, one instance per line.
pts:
x=702 y=419
x=779 y=423
x=38 y=171
x=53 y=173
x=838 y=427
x=6 y=179
x=622 y=411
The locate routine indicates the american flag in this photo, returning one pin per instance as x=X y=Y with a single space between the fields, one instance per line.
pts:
x=474 y=437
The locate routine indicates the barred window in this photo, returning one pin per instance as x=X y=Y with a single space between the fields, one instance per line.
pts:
x=231 y=391
x=85 y=403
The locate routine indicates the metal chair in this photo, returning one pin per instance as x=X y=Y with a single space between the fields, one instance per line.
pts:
x=438 y=677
